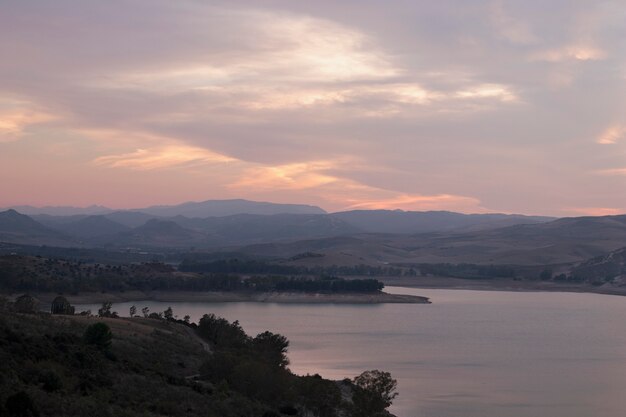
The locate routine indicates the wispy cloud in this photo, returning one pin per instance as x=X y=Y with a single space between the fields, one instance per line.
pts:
x=162 y=157
x=612 y=135
x=571 y=52
x=17 y=117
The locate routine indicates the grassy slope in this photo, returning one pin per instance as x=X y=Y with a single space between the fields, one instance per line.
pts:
x=145 y=374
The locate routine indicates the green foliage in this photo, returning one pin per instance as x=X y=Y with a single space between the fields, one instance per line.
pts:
x=99 y=335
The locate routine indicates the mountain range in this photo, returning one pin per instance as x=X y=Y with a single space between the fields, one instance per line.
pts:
x=360 y=236
x=190 y=209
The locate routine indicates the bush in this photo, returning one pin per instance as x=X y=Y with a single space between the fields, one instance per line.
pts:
x=374 y=391
x=99 y=335
x=51 y=381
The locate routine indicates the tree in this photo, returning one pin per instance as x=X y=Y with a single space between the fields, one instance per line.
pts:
x=272 y=348
x=99 y=335
x=145 y=311
x=319 y=395
x=105 y=310
x=133 y=311
x=186 y=319
x=168 y=314
x=374 y=391
x=546 y=275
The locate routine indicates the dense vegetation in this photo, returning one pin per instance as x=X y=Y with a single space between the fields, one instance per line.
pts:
x=255 y=266
x=23 y=274
x=102 y=366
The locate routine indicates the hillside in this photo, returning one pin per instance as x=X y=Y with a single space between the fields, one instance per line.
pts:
x=104 y=366
x=609 y=268
x=157 y=233
x=569 y=240
x=92 y=226
x=19 y=228
x=407 y=222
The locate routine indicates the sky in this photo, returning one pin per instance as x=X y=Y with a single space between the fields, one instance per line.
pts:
x=470 y=106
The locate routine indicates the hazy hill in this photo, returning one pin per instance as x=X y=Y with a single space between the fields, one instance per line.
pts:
x=92 y=226
x=130 y=218
x=19 y=228
x=211 y=208
x=609 y=267
x=398 y=221
x=157 y=233
x=561 y=241
x=251 y=228
x=62 y=210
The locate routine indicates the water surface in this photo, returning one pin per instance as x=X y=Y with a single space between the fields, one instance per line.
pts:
x=469 y=354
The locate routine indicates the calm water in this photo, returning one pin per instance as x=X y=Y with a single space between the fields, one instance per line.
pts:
x=469 y=354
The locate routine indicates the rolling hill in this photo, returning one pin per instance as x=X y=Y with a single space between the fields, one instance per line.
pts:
x=19 y=228
x=398 y=221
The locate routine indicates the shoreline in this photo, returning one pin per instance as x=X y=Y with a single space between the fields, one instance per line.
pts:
x=508 y=285
x=232 y=297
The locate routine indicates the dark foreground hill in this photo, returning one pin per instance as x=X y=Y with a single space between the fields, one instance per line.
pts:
x=104 y=366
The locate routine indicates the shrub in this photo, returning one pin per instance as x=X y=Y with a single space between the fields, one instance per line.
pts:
x=99 y=335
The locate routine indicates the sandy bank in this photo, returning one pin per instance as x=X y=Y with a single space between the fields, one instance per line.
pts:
x=501 y=284
x=230 y=297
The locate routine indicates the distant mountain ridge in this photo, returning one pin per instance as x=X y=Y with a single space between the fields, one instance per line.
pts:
x=374 y=236
x=208 y=208
x=219 y=208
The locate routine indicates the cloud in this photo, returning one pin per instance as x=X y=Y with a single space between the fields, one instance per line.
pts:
x=324 y=180
x=485 y=91
x=422 y=202
x=15 y=119
x=300 y=175
x=571 y=52
x=612 y=135
x=510 y=28
x=612 y=171
x=163 y=157
x=319 y=102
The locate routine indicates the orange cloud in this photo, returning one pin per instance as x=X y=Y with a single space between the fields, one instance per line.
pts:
x=576 y=52
x=13 y=122
x=162 y=157
x=422 y=202
x=301 y=175
x=611 y=135
x=344 y=193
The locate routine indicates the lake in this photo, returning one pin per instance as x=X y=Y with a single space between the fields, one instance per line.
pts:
x=469 y=354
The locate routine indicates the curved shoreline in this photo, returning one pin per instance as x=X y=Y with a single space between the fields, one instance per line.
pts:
x=235 y=297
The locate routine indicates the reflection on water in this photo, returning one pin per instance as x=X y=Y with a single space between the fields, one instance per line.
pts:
x=469 y=354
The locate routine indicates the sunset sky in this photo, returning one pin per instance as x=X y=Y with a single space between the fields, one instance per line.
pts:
x=471 y=106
